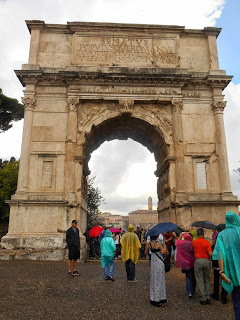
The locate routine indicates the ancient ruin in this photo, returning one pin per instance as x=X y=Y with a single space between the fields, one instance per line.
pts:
x=86 y=83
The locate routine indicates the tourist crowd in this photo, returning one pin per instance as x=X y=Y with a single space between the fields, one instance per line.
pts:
x=194 y=255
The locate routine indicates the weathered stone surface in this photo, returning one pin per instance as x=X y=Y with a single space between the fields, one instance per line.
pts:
x=86 y=83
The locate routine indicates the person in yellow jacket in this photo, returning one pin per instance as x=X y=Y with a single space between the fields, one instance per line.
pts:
x=130 y=252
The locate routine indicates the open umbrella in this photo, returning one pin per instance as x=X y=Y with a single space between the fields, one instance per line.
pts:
x=205 y=224
x=161 y=228
x=115 y=230
x=95 y=231
x=221 y=227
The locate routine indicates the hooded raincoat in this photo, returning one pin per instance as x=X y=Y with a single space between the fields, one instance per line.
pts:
x=130 y=245
x=185 y=254
x=227 y=248
x=108 y=248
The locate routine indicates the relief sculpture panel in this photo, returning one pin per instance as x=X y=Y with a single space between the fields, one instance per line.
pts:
x=131 y=52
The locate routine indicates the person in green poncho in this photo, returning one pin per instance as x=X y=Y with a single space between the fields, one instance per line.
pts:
x=227 y=252
x=108 y=249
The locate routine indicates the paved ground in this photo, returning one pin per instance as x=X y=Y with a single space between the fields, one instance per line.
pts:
x=41 y=290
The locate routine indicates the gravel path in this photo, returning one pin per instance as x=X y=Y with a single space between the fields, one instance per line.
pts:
x=41 y=290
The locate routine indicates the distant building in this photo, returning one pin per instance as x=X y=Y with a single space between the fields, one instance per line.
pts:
x=143 y=218
x=138 y=218
x=113 y=220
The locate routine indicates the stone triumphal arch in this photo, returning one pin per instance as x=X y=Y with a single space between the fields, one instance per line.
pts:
x=86 y=83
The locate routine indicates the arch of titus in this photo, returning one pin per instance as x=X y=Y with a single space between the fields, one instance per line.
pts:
x=86 y=83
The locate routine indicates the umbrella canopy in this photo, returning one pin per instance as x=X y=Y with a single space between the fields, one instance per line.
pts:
x=115 y=230
x=177 y=230
x=221 y=227
x=205 y=224
x=161 y=228
x=95 y=231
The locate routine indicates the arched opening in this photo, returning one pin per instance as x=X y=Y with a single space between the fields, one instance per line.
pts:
x=124 y=172
x=124 y=127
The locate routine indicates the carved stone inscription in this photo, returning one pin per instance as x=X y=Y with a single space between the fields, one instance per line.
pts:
x=124 y=51
x=124 y=90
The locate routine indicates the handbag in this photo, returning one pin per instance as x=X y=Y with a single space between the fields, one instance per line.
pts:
x=166 y=262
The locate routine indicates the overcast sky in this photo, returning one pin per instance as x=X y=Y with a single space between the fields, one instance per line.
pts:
x=123 y=169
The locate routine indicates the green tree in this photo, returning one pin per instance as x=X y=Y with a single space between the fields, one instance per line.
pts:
x=94 y=199
x=10 y=110
x=8 y=184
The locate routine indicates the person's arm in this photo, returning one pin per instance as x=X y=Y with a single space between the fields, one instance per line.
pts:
x=210 y=253
x=223 y=276
x=146 y=248
x=68 y=238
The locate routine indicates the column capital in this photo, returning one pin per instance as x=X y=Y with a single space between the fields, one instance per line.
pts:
x=72 y=104
x=177 y=105
x=29 y=103
x=126 y=106
x=218 y=106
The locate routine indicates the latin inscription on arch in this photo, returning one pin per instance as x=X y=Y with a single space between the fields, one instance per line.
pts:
x=124 y=52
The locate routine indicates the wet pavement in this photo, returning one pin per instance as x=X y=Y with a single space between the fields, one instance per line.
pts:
x=42 y=290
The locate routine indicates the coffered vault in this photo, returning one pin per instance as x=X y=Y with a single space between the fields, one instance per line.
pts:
x=86 y=83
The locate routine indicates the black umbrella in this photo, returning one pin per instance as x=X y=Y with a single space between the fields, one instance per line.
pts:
x=221 y=227
x=178 y=230
x=205 y=224
x=161 y=228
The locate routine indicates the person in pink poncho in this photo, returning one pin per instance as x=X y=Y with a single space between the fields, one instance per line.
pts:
x=185 y=261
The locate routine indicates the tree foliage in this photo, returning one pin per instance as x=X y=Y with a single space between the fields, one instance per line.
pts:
x=10 y=110
x=8 y=184
x=94 y=200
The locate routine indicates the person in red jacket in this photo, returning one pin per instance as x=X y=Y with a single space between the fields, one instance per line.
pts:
x=202 y=266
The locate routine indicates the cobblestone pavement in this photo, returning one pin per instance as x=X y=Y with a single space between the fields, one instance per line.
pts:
x=41 y=290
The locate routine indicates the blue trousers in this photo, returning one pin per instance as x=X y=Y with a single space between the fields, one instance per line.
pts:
x=110 y=270
x=236 y=301
x=190 y=281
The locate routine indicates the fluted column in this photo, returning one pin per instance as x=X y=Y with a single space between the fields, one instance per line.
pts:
x=178 y=144
x=70 y=147
x=221 y=149
x=29 y=105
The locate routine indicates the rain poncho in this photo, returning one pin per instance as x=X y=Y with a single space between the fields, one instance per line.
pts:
x=185 y=254
x=130 y=245
x=194 y=234
x=227 y=248
x=108 y=248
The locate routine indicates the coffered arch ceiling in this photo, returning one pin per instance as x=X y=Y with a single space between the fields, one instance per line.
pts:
x=122 y=128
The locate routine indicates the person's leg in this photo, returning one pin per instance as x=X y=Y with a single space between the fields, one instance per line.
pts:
x=69 y=263
x=236 y=301
x=189 y=282
x=198 y=271
x=131 y=271
x=224 y=296
x=111 y=268
x=74 y=265
x=206 y=276
x=215 y=294
x=116 y=254
x=106 y=272
x=127 y=266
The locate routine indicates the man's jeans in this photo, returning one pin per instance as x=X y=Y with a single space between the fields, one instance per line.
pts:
x=190 y=281
x=130 y=269
x=236 y=301
x=110 y=271
x=202 y=269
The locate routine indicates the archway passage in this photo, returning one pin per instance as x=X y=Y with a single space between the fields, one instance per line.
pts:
x=124 y=173
x=122 y=128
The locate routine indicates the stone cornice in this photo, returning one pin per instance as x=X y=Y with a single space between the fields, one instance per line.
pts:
x=88 y=27
x=145 y=76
